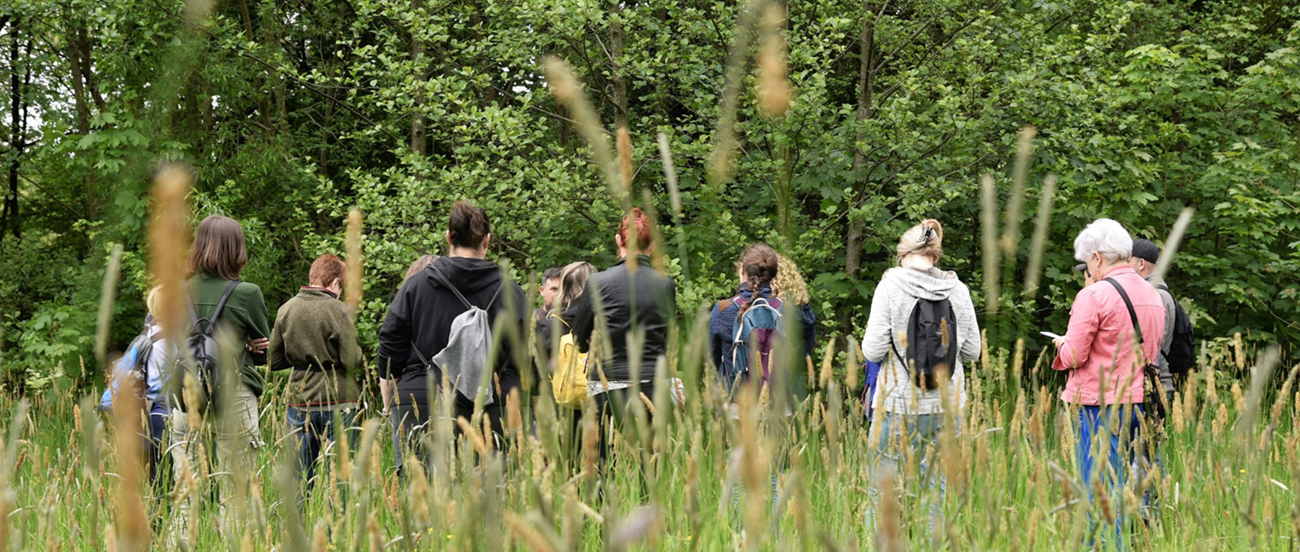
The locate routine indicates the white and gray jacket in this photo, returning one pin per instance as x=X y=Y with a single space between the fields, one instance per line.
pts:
x=891 y=306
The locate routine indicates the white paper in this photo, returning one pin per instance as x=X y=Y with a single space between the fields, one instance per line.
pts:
x=1051 y=335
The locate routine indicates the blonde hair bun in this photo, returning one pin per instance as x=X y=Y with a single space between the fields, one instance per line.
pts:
x=925 y=238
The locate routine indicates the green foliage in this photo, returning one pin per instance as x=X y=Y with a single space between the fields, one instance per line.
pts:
x=291 y=116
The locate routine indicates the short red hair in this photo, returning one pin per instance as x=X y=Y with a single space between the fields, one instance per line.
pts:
x=326 y=269
x=638 y=219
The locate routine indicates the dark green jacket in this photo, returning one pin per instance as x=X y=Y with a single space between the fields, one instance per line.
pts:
x=244 y=314
x=315 y=337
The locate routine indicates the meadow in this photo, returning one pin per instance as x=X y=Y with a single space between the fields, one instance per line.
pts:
x=693 y=479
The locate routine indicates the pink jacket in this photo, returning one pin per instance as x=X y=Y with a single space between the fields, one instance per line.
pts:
x=1098 y=348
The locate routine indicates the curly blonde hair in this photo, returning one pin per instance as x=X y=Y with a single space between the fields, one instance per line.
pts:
x=789 y=284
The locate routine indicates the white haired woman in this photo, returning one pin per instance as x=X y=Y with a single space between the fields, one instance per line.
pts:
x=1105 y=367
x=913 y=416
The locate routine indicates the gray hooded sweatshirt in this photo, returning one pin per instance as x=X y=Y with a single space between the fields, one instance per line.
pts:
x=891 y=306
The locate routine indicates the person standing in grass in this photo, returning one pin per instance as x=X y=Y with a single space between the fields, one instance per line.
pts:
x=542 y=319
x=1104 y=357
x=916 y=408
x=387 y=386
x=216 y=260
x=638 y=304
x=419 y=326
x=790 y=287
x=756 y=269
x=315 y=337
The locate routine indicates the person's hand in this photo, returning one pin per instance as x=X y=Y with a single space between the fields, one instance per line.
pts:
x=258 y=345
x=1058 y=342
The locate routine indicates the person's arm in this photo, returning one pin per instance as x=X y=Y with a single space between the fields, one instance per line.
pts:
x=1072 y=350
x=257 y=326
x=717 y=336
x=1170 y=312
x=386 y=388
x=967 y=327
x=395 y=338
x=584 y=319
x=876 y=340
x=809 y=319
x=275 y=351
x=349 y=343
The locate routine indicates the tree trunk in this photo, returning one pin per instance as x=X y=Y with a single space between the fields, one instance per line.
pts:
x=616 y=53
x=419 y=142
x=18 y=137
x=866 y=82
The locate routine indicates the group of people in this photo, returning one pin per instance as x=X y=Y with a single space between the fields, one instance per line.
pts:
x=922 y=331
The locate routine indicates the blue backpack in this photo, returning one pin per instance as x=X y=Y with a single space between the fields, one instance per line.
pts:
x=758 y=330
x=132 y=370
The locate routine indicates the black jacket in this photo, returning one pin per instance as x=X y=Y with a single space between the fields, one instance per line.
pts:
x=422 y=314
x=655 y=306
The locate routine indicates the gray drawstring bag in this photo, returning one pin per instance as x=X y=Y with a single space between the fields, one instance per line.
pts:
x=465 y=359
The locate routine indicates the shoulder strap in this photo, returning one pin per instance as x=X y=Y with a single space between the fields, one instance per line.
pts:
x=216 y=313
x=906 y=369
x=1132 y=314
x=446 y=282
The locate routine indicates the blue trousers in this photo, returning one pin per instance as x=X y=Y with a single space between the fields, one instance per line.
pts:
x=313 y=429
x=1107 y=448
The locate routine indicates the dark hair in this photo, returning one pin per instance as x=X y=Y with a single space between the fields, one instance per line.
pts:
x=552 y=273
x=759 y=262
x=642 y=223
x=218 y=249
x=325 y=269
x=468 y=226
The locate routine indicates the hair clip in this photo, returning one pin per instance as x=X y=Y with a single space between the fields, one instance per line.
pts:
x=926 y=233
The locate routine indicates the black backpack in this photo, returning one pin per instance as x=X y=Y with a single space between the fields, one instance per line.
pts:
x=204 y=352
x=1182 y=349
x=931 y=343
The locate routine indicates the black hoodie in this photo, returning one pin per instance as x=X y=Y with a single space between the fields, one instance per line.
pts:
x=422 y=314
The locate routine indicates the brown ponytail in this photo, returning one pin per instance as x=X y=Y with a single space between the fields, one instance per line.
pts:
x=759 y=263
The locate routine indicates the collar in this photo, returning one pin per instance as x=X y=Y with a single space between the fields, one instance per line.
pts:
x=1117 y=271
x=641 y=260
x=327 y=291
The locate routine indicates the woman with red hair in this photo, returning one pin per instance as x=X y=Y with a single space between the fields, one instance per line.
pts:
x=629 y=299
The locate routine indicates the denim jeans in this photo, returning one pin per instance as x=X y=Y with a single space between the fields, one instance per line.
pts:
x=314 y=430
x=1113 y=432
x=919 y=435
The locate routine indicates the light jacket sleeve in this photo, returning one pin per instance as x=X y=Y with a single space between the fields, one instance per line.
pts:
x=876 y=340
x=1170 y=311
x=967 y=327
x=1084 y=323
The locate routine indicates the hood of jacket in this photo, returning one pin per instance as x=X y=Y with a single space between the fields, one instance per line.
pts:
x=931 y=284
x=467 y=274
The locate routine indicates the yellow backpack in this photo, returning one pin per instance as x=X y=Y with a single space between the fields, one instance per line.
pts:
x=569 y=383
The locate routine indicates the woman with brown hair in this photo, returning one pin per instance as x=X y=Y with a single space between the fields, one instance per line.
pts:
x=756 y=269
x=217 y=257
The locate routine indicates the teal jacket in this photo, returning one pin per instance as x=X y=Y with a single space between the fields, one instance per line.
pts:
x=244 y=314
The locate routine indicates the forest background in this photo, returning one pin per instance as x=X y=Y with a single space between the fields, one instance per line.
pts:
x=292 y=112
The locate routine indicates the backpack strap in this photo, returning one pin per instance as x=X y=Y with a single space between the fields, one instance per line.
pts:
x=1132 y=314
x=216 y=313
x=446 y=282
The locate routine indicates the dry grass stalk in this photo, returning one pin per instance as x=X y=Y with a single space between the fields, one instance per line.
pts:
x=528 y=534
x=1042 y=225
x=107 y=295
x=623 y=142
x=1016 y=199
x=774 y=89
x=1172 y=243
x=670 y=175
x=356 y=262
x=889 y=530
x=989 y=238
x=721 y=162
x=568 y=91
x=132 y=523
x=168 y=243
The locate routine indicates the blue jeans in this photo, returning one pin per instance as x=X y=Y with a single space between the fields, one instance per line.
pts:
x=313 y=429
x=920 y=434
x=1112 y=431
